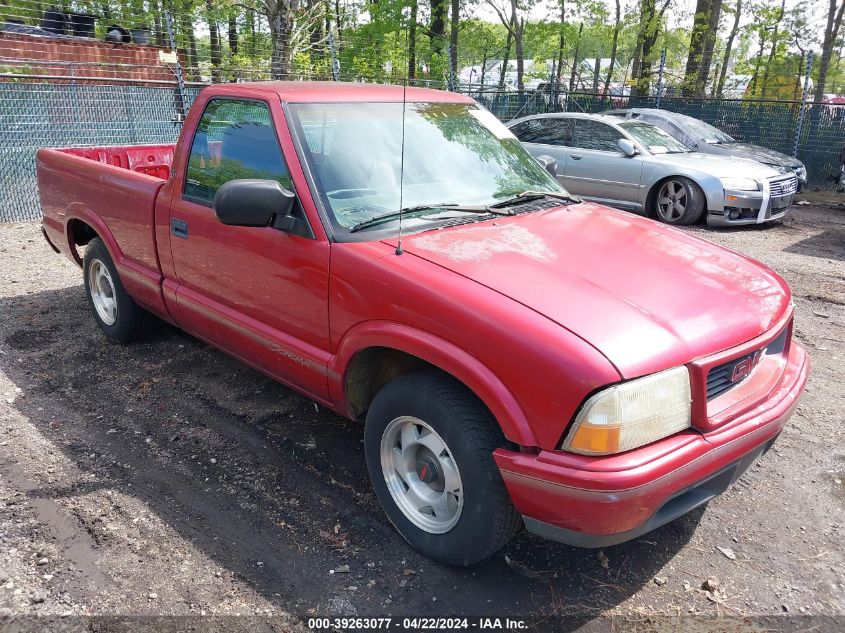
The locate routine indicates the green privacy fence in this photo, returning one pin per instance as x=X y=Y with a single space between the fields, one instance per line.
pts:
x=772 y=124
x=47 y=114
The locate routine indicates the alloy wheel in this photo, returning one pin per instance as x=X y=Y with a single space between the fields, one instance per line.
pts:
x=421 y=475
x=671 y=201
x=102 y=291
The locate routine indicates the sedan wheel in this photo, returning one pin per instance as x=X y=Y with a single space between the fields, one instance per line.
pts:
x=678 y=200
x=671 y=201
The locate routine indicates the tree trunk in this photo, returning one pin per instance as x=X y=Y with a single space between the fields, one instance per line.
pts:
x=159 y=34
x=191 y=60
x=702 y=41
x=773 y=51
x=453 y=39
x=412 y=42
x=596 y=73
x=437 y=34
x=560 y=44
x=752 y=85
x=831 y=32
x=281 y=27
x=613 y=47
x=214 y=43
x=233 y=33
x=575 y=59
x=518 y=31
x=709 y=45
x=250 y=20
x=641 y=82
x=726 y=58
x=505 y=60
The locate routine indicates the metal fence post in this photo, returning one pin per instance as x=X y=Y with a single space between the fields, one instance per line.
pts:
x=660 y=78
x=804 y=96
x=180 y=80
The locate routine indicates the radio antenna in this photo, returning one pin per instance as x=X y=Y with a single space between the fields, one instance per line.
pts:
x=399 y=250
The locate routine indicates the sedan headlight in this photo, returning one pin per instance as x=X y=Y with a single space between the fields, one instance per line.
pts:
x=632 y=414
x=740 y=184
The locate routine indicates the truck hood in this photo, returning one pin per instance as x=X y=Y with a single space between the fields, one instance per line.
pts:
x=719 y=166
x=647 y=296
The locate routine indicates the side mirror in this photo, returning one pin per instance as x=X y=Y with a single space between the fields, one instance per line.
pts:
x=549 y=164
x=627 y=147
x=248 y=202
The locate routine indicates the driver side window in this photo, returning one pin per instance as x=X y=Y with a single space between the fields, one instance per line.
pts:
x=595 y=135
x=234 y=139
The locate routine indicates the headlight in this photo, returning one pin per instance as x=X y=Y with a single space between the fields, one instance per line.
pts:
x=740 y=184
x=632 y=414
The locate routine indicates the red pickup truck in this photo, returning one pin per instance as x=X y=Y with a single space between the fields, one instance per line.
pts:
x=518 y=357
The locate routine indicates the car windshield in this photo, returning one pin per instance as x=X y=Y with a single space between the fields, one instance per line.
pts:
x=653 y=138
x=703 y=132
x=454 y=153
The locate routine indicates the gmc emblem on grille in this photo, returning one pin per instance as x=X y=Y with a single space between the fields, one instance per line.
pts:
x=744 y=367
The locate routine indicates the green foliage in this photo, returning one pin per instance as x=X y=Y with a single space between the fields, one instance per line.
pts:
x=371 y=38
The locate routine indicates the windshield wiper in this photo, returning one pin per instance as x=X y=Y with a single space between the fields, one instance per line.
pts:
x=444 y=206
x=527 y=196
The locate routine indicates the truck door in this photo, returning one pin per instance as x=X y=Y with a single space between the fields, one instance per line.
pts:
x=597 y=169
x=259 y=293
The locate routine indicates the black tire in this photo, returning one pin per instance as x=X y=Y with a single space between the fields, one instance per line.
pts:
x=677 y=200
x=488 y=519
x=131 y=321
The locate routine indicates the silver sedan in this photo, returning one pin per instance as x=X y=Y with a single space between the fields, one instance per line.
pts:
x=636 y=166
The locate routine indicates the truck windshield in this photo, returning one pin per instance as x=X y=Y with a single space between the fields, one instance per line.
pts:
x=454 y=153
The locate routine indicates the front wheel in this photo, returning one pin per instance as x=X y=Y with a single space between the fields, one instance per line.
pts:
x=679 y=200
x=429 y=447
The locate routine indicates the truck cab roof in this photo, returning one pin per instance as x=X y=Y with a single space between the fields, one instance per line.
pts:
x=336 y=91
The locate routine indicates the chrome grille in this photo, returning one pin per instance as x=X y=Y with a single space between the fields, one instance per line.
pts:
x=784 y=186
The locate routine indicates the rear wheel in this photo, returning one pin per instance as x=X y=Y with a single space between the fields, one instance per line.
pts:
x=678 y=200
x=118 y=316
x=429 y=446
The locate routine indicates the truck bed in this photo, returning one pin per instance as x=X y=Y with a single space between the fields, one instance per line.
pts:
x=152 y=160
x=113 y=191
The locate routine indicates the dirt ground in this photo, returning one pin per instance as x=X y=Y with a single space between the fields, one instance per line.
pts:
x=165 y=478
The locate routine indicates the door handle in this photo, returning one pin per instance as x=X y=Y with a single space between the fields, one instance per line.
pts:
x=575 y=156
x=179 y=228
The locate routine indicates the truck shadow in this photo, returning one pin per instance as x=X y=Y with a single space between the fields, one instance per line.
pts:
x=248 y=471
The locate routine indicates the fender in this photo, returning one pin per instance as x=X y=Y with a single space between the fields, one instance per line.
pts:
x=710 y=185
x=440 y=353
x=142 y=283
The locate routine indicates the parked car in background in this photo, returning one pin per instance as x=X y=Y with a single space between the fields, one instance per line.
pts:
x=636 y=166
x=524 y=358
x=703 y=137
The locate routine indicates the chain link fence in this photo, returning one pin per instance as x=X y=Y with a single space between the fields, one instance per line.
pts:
x=95 y=73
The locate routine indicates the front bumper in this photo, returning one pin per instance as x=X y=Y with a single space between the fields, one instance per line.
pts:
x=750 y=208
x=602 y=501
